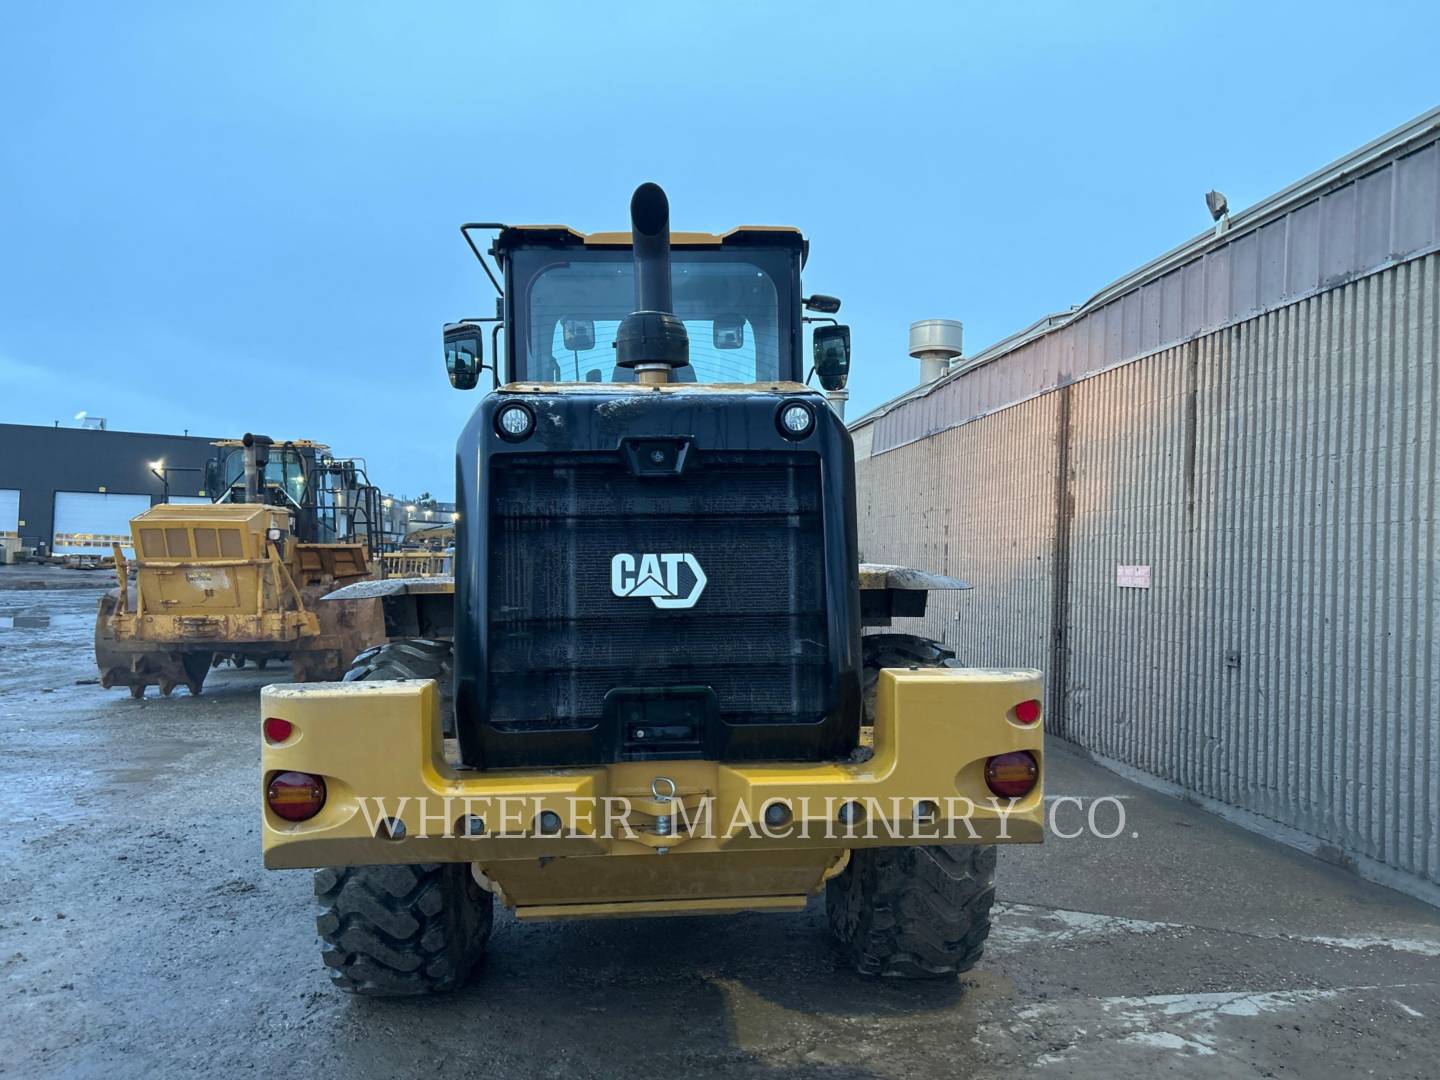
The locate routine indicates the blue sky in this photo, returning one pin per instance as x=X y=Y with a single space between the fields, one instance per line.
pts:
x=231 y=217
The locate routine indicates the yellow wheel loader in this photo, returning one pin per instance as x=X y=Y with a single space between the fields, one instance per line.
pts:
x=653 y=654
x=240 y=579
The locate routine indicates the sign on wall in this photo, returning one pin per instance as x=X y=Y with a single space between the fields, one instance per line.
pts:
x=1132 y=577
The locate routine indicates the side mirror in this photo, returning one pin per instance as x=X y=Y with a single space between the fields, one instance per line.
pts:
x=464 y=355
x=579 y=334
x=728 y=332
x=832 y=356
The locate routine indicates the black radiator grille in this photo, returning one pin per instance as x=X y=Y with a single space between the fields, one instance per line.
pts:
x=559 y=639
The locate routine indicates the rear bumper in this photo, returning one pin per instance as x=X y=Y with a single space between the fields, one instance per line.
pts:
x=270 y=628
x=379 y=749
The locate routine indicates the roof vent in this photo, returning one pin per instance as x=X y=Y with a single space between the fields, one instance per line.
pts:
x=935 y=342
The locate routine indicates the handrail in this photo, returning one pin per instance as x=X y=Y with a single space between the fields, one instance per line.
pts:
x=279 y=564
x=122 y=573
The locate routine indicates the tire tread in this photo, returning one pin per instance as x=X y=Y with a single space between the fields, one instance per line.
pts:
x=911 y=912
x=401 y=930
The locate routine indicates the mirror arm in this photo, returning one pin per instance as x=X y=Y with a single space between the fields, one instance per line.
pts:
x=465 y=232
x=819 y=318
x=495 y=353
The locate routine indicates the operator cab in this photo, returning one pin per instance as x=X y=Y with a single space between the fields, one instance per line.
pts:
x=566 y=294
x=285 y=474
x=331 y=501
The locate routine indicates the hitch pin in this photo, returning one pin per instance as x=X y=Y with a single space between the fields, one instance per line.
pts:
x=663 y=823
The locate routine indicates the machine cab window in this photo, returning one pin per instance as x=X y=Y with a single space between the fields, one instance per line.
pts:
x=285 y=476
x=739 y=306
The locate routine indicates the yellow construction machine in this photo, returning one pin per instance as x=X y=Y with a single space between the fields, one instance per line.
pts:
x=240 y=579
x=424 y=552
x=664 y=698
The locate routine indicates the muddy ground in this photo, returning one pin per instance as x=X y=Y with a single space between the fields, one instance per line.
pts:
x=140 y=937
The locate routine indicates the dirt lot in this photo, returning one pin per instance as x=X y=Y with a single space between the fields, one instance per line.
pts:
x=140 y=937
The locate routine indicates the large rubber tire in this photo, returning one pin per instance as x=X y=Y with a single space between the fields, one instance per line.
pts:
x=412 y=658
x=395 y=931
x=911 y=912
x=900 y=651
x=914 y=912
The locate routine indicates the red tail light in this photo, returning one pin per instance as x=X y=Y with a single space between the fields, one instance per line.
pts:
x=1027 y=712
x=295 y=796
x=277 y=730
x=1013 y=775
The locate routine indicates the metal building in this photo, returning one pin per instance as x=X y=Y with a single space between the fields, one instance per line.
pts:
x=75 y=489
x=1205 y=503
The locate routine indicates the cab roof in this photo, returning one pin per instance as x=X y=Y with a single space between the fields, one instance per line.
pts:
x=513 y=236
x=277 y=444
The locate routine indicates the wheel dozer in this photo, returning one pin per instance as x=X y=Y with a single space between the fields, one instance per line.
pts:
x=240 y=579
x=674 y=688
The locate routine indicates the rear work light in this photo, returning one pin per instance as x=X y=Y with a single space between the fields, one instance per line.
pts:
x=1013 y=775
x=295 y=796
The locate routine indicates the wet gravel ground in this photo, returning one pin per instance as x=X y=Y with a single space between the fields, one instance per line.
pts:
x=140 y=937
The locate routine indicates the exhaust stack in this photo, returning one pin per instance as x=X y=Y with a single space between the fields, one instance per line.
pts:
x=651 y=341
x=257 y=456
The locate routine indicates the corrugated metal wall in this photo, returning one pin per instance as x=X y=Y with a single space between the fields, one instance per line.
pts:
x=1279 y=478
x=1317 y=666
x=978 y=503
x=1132 y=504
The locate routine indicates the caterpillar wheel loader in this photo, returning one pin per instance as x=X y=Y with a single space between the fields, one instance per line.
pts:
x=652 y=653
x=240 y=579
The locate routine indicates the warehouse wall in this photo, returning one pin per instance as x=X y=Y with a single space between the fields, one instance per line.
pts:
x=40 y=461
x=978 y=503
x=1279 y=478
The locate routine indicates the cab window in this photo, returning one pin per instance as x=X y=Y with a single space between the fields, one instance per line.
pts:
x=736 y=308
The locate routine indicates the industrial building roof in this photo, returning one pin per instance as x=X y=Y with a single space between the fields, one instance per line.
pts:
x=1374 y=207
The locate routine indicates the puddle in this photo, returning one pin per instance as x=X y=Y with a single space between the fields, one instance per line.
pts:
x=24 y=622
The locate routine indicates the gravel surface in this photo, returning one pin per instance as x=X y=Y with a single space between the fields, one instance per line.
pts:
x=140 y=937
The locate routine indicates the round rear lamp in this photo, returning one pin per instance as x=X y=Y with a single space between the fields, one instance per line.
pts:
x=1027 y=712
x=796 y=420
x=295 y=796
x=1013 y=775
x=514 y=422
x=277 y=730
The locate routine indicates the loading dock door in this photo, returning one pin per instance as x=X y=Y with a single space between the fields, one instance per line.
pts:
x=88 y=522
x=9 y=524
x=9 y=512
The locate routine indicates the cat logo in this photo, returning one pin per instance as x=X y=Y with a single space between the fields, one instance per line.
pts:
x=657 y=577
